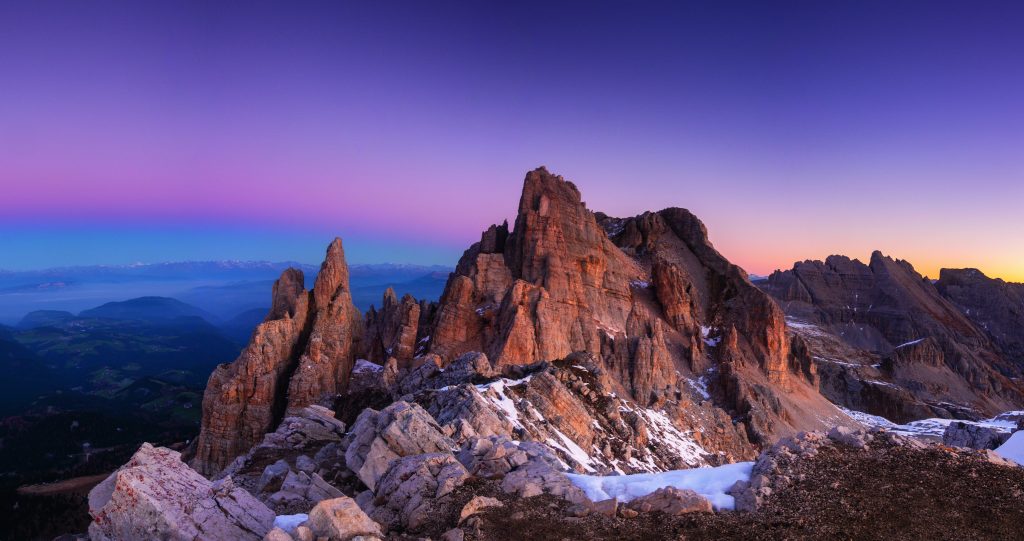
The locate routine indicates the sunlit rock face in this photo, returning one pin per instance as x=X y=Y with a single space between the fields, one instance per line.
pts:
x=302 y=353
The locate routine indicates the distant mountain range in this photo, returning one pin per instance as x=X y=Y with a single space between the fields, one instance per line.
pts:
x=223 y=289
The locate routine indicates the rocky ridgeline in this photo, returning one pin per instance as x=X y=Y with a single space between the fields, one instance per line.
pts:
x=889 y=342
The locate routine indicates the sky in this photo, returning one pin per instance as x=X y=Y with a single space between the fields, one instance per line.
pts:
x=197 y=130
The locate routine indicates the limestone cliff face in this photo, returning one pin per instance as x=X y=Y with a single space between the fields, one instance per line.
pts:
x=553 y=286
x=303 y=352
x=721 y=322
x=915 y=354
x=335 y=337
x=245 y=399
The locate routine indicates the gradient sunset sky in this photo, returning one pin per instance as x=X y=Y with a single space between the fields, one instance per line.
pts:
x=181 y=130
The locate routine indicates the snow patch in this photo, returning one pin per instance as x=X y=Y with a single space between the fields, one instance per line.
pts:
x=929 y=428
x=705 y=333
x=570 y=448
x=494 y=393
x=700 y=385
x=1013 y=449
x=833 y=361
x=288 y=523
x=363 y=366
x=803 y=327
x=712 y=483
x=918 y=341
x=664 y=432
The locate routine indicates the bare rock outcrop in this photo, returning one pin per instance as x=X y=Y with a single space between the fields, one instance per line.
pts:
x=297 y=465
x=157 y=496
x=671 y=501
x=341 y=519
x=379 y=438
x=542 y=474
x=335 y=336
x=301 y=354
x=973 y=436
x=540 y=292
x=476 y=505
x=648 y=296
x=403 y=496
x=243 y=399
x=392 y=331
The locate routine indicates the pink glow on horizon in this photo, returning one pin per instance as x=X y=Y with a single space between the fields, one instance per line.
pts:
x=418 y=124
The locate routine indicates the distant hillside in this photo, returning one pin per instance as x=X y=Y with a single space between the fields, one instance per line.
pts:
x=45 y=318
x=221 y=288
x=33 y=375
x=147 y=309
x=240 y=327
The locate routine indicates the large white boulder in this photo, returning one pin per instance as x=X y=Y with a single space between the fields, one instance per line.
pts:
x=157 y=496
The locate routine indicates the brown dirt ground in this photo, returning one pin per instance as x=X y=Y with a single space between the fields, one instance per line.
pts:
x=890 y=493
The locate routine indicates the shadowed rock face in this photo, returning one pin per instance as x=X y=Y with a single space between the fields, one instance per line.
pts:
x=992 y=304
x=392 y=330
x=889 y=343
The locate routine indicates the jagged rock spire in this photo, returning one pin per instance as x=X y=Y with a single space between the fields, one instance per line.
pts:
x=302 y=353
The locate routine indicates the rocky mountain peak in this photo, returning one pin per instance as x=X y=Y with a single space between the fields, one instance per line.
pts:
x=332 y=279
x=649 y=295
x=964 y=276
x=389 y=297
x=303 y=352
x=287 y=292
x=552 y=223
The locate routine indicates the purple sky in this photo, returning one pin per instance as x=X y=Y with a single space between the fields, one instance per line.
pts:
x=154 y=131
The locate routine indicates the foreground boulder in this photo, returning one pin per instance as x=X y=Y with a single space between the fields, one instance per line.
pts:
x=671 y=501
x=959 y=434
x=341 y=519
x=404 y=494
x=156 y=496
x=380 y=437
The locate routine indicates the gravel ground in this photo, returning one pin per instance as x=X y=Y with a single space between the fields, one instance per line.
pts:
x=886 y=492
